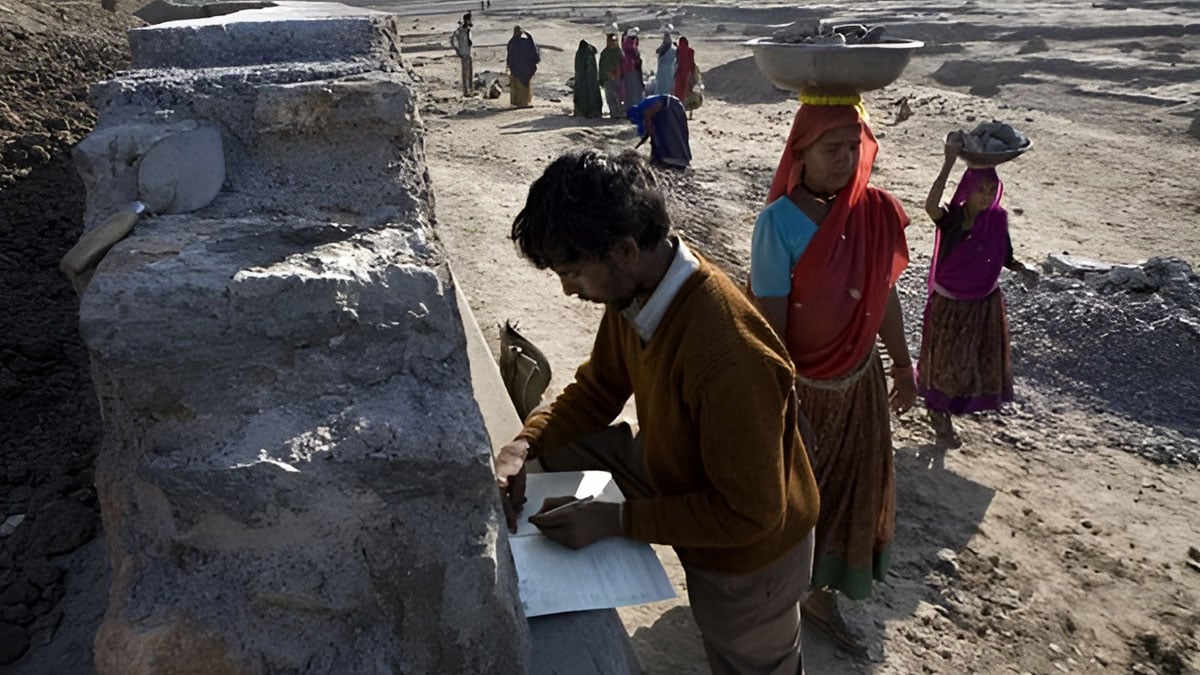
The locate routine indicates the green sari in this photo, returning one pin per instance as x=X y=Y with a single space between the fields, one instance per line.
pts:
x=587 y=82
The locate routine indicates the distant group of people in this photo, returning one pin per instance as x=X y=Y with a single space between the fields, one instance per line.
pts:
x=764 y=448
x=614 y=77
x=660 y=118
x=624 y=83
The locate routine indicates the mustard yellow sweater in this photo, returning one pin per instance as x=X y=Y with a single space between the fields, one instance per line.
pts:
x=718 y=416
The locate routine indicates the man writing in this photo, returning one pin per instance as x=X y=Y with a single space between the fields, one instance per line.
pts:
x=718 y=468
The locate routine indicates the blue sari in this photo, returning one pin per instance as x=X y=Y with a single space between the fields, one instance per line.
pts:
x=668 y=131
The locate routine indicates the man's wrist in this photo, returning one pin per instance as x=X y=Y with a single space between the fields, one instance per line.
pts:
x=531 y=451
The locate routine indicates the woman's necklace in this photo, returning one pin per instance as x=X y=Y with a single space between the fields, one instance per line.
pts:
x=823 y=197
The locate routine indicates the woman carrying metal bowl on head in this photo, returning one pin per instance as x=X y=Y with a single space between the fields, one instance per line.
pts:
x=824 y=260
x=965 y=364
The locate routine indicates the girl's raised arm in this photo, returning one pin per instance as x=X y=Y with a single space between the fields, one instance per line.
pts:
x=933 y=203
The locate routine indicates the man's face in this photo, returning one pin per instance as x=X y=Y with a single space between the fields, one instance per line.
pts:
x=609 y=281
x=829 y=162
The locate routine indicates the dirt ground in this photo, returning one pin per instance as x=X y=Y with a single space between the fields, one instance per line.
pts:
x=1056 y=540
x=1045 y=544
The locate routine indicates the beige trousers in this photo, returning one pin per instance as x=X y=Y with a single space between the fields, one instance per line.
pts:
x=750 y=623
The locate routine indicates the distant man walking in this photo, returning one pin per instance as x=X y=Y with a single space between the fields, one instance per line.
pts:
x=461 y=42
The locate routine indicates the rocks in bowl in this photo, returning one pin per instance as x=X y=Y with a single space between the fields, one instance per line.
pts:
x=991 y=143
x=993 y=137
x=823 y=34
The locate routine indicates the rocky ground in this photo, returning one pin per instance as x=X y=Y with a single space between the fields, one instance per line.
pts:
x=1060 y=538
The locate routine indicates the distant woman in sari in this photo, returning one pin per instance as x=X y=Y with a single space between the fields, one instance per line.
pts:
x=662 y=121
x=965 y=364
x=587 y=82
x=687 y=86
x=824 y=259
x=522 y=63
x=610 y=76
x=664 y=77
x=633 y=86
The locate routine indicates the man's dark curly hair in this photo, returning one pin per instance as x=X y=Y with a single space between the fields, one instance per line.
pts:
x=584 y=203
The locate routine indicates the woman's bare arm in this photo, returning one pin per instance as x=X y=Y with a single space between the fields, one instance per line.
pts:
x=933 y=203
x=774 y=310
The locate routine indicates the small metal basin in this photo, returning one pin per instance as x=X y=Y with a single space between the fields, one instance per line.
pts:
x=984 y=160
x=832 y=70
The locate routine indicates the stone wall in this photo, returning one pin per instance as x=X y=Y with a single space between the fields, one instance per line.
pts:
x=295 y=472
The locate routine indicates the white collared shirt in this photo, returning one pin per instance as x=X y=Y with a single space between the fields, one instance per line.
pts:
x=645 y=318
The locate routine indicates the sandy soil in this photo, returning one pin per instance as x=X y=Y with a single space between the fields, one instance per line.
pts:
x=1047 y=544
x=1043 y=545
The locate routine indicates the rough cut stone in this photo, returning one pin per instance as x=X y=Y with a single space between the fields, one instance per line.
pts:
x=295 y=473
x=581 y=643
x=1072 y=265
x=14 y=642
x=288 y=32
x=161 y=11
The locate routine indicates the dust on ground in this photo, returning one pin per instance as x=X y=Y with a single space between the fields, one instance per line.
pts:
x=1057 y=539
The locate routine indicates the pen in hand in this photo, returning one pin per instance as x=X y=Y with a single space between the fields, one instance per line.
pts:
x=561 y=507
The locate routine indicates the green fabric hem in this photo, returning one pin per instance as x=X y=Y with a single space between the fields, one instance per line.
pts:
x=833 y=573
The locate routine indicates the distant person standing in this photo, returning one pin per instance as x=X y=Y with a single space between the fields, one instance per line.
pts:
x=587 y=82
x=461 y=42
x=610 y=75
x=687 y=76
x=633 y=85
x=523 y=58
x=685 y=63
x=664 y=78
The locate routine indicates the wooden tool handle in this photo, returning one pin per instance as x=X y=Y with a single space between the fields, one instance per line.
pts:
x=91 y=247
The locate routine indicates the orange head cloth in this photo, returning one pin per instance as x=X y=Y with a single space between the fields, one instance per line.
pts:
x=841 y=283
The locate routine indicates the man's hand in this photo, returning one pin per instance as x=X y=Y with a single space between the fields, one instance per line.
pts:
x=510 y=477
x=577 y=523
x=904 y=390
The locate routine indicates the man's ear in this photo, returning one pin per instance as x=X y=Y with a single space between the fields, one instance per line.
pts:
x=625 y=250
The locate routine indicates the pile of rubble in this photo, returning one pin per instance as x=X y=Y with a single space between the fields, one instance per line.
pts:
x=1119 y=341
x=1126 y=337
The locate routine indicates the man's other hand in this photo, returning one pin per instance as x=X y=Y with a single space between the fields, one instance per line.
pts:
x=510 y=477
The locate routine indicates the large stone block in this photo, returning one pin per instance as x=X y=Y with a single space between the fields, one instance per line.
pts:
x=288 y=32
x=327 y=141
x=295 y=474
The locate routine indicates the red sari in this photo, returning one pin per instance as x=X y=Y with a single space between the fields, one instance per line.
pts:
x=841 y=283
x=685 y=63
x=840 y=288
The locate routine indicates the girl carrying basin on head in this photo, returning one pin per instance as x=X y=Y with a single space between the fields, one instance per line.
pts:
x=965 y=365
x=824 y=260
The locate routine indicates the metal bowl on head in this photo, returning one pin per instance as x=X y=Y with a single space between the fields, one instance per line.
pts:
x=987 y=160
x=832 y=70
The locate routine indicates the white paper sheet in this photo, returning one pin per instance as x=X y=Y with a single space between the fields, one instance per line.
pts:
x=613 y=572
